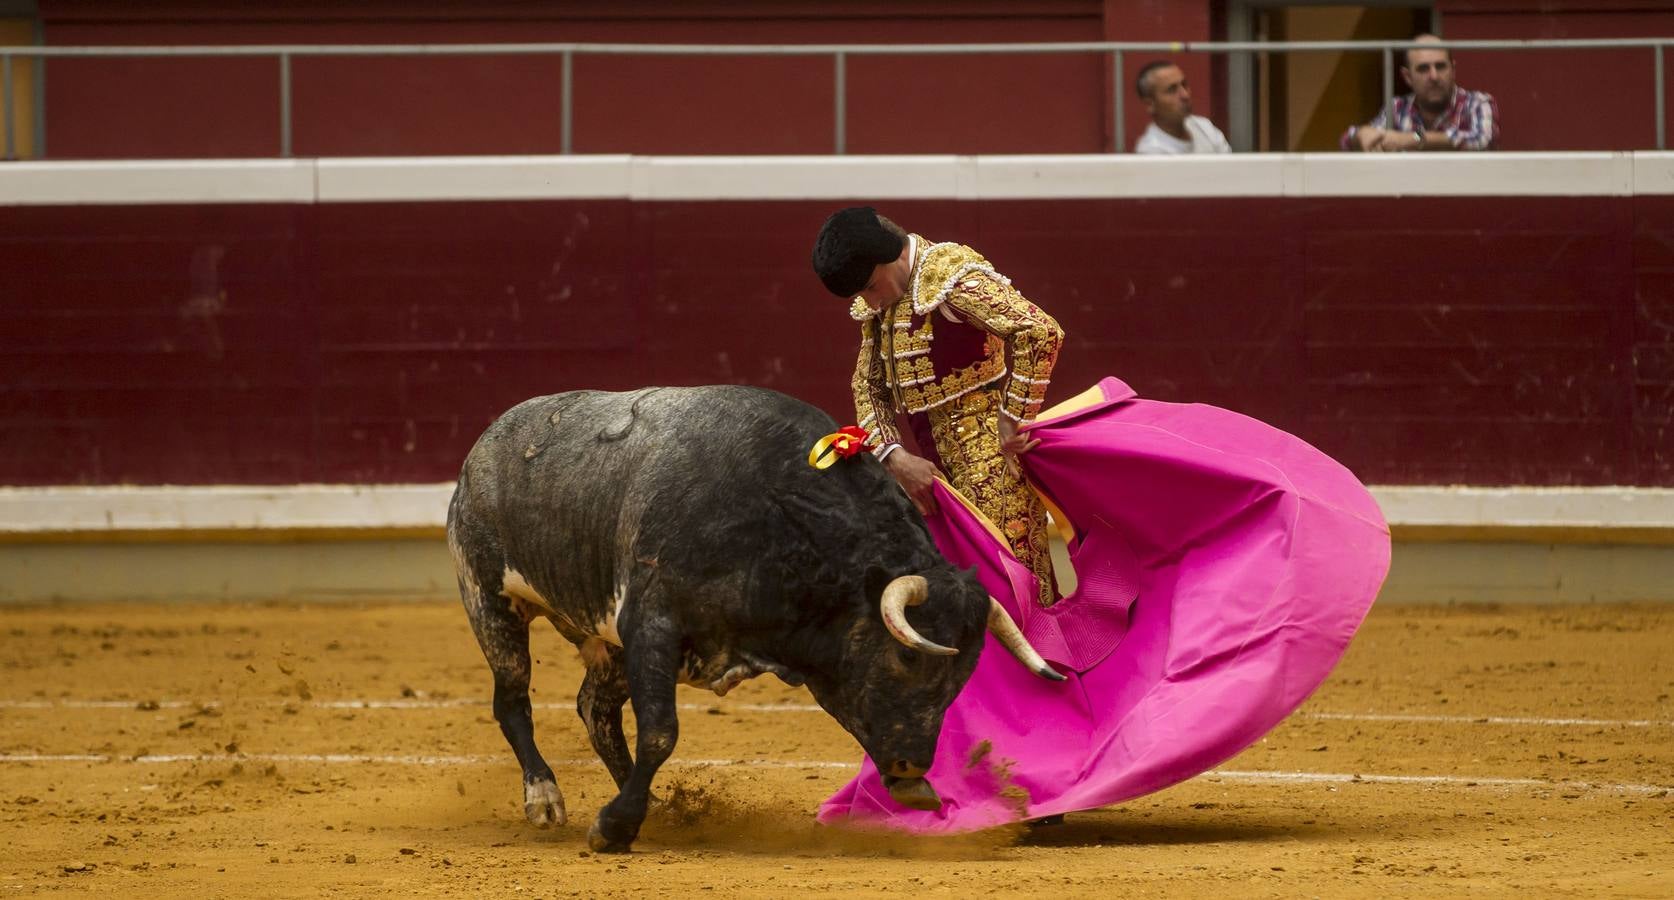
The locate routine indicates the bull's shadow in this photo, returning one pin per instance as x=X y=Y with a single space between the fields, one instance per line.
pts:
x=1115 y=827
x=704 y=817
x=696 y=817
x=691 y=817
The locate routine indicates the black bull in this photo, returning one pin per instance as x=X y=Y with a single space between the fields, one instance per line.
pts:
x=680 y=535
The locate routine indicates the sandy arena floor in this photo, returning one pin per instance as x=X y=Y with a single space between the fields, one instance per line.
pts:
x=348 y=750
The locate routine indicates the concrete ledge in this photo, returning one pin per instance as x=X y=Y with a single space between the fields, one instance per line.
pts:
x=178 y=571
x=1587 y=515
x=223 y=512
x=352 y=180
x=1474 y=175
x=918 y=176
x=157 y=182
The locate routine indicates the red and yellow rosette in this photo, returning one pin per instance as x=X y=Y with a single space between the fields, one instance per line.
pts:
x=840 y=444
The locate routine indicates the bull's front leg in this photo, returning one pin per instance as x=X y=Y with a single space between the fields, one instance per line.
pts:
x=599 y=704
x=652 y=660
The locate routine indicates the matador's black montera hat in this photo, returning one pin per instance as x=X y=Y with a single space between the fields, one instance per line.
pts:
x=852 y=243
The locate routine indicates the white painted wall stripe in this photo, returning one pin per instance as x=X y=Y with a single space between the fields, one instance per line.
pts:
x=834 y=178
x=805 y=177
x=1470 y=175
x=474 y=178
x=157 y=183
x=72 y=509
x=1106 y=177
x=90 y=510
x=1592 y=507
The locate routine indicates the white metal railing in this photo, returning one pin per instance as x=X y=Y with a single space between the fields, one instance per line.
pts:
x=1117 y=50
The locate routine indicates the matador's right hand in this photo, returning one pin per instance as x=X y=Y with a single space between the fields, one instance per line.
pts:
x=917 y=476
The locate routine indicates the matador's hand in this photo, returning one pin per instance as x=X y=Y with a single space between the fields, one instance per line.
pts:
x=1013 y=445
x=917 y=476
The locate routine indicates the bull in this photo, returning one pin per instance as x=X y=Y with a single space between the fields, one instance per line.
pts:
x=679 y=535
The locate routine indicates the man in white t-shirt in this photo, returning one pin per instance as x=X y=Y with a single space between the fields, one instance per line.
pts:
x=1174 y=130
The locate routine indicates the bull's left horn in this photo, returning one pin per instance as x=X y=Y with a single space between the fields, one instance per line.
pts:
x=1000 y=623
x=908 y=590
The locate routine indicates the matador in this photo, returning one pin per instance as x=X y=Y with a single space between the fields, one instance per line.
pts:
x=951 y=344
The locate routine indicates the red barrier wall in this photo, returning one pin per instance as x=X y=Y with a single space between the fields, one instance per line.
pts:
x=1564 y=99
x=1426 y=340
x=115 y=108
x=201 y=108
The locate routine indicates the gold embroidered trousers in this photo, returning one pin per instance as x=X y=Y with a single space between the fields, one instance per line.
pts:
x=967 y=438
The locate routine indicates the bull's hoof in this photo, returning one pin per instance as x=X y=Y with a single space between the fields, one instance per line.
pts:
x=543 y=804
x=915 y=793
x=601 y=844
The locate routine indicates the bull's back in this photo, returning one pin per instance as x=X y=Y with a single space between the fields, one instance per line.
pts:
x=598 y=444
x=562 y=487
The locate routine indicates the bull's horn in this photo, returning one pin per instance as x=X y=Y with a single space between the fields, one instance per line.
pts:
x=1000 y=623
x=908 y=590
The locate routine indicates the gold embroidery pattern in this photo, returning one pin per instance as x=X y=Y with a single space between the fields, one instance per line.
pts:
x=993 y=305
x=916 y=382
x=938 y=269
x=895 y=374
x=967 y=438
x=874 y=407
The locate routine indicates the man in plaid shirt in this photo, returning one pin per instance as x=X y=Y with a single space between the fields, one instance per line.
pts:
x=1437 y=115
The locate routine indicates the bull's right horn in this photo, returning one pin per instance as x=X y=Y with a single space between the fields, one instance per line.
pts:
x=908 y=590
x=1008 y=634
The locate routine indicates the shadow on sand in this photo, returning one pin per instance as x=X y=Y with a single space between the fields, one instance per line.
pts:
x=700 y=816
x=1115 y=827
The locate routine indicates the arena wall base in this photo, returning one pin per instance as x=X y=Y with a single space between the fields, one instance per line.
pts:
x=419 y=569
x=199 y=571
x=1467 y=571
x=317 y=543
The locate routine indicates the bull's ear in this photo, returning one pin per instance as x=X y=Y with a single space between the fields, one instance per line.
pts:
x=877 y=578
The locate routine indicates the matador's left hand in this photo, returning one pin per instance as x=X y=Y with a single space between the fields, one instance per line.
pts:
x=1013 y=445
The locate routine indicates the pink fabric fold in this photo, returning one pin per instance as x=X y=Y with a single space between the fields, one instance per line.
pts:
x=1222 y=567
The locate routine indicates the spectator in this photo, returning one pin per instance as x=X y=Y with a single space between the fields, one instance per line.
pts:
x=1174 y=130
x=1437 y=115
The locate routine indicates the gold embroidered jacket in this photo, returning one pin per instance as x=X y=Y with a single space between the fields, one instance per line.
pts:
x=950 y=283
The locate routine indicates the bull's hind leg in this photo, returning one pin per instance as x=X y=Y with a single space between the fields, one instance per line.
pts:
x=652 y=660
x=504 y=636
x=599 y=704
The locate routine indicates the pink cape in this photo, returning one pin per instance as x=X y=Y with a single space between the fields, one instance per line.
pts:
x=1222 y=567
